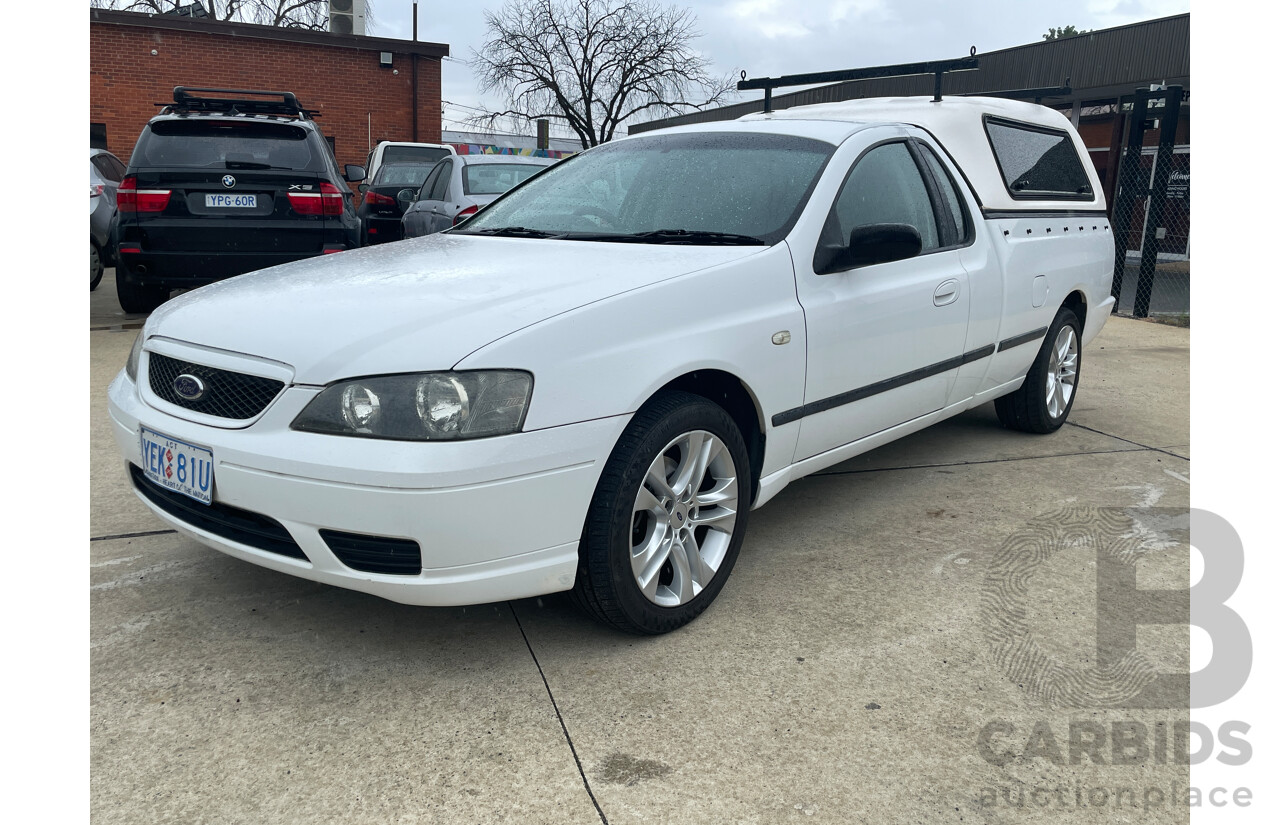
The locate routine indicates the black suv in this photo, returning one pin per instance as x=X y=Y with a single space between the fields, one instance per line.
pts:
x=219 y=186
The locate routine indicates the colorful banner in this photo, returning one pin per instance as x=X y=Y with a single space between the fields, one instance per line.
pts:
x=483 y=149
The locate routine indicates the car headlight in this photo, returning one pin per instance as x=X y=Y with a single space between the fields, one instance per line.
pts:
x=432 y=406
x=131 y=366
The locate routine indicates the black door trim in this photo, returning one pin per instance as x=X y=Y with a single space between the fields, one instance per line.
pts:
x=831 y=402
x=1024 y=338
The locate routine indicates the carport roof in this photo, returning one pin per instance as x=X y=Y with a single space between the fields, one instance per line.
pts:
x=233 y=29
x=1101 y=65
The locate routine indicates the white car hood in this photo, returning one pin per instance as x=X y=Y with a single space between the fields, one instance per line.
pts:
x=420 y=304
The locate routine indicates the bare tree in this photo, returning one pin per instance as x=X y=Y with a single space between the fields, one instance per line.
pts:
x=294 y=14
x=594 y=64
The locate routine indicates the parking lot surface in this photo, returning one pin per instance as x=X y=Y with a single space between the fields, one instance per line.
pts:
x=845 y=674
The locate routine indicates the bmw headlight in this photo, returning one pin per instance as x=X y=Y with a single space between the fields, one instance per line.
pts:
x=432 y=406
x=131 y=366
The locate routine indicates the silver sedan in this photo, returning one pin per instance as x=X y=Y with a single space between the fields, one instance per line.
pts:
x=105 y=173
x=459 y=186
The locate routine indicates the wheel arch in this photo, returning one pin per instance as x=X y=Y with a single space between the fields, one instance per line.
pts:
x=733 y=395
x=1077 y=303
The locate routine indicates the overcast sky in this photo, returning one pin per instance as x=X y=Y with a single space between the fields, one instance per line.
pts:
x=773 y=37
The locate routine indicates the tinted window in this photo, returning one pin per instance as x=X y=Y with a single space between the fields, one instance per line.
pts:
x=226 y=145
x=495 y=178
x=728 y=182
x=413 y=154
x=108 y=170
x=884 y=187
x=424 y=194
x=1038 y=163
x=441 y=184
x=953 y=209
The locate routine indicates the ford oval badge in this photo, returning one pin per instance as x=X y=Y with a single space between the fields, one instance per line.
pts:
x=228 y=181
x=188 y=387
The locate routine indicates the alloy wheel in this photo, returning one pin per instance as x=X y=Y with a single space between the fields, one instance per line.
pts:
x=1060 y=382
x=683 y=518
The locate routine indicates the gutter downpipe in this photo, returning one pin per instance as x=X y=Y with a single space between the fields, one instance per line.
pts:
x=414 y=61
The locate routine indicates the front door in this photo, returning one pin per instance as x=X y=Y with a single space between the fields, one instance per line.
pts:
x=885 y=341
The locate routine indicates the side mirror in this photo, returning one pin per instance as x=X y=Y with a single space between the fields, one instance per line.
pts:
x=878 y=243
x=406 y=196
x=353 y=174
x=362 y=188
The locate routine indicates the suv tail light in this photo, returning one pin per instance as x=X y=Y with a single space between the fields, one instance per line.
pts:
x=379 y=199
x=328 y=201
x=129 y=198
x=464 y=214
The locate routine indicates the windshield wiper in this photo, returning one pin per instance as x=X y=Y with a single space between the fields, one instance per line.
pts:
x=511 y=232
x=672 y=236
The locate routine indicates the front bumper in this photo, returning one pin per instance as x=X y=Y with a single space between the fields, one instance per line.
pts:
x=495 y=518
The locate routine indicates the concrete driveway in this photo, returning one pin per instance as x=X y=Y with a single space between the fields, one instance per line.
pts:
x=847 y=673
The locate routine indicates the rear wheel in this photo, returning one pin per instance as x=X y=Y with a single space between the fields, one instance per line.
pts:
x=667 y=519
x=136 y=297
x=1044 y=400
x=95 y=266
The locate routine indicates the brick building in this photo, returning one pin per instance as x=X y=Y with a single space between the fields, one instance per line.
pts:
x=364 y=89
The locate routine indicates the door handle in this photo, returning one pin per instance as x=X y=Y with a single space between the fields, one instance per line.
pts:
x=947 y=292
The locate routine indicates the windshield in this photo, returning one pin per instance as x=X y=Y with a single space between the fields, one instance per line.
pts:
x=679 y=188
x=413 y=154
x=226 y=145
x=496 y=178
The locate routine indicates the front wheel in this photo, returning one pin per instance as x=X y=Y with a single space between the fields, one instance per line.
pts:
x=667 y=518
x=1043 y=401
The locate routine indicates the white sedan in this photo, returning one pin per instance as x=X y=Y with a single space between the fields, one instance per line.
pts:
x=591 y=383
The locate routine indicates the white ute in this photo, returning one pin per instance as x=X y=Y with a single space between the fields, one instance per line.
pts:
x=588 y=385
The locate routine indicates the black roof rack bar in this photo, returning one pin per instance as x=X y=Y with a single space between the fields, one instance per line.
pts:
x=1035 y=94
x=934 y=67
x=185 y=101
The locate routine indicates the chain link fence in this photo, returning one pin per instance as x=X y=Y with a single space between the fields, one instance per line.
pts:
x=1151 y=219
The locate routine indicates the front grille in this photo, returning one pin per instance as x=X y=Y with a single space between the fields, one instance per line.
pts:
x=227 y=394
x=375 y=554
x=254 y=529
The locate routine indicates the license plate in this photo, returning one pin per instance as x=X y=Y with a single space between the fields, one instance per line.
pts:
x=177 y=465
x=231 y=201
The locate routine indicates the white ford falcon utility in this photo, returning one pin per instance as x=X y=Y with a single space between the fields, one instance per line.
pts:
x=588 y=385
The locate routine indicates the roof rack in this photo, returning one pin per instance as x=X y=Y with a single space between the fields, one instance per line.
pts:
x=934 y=67
x=184 y=102
x=1037 y=94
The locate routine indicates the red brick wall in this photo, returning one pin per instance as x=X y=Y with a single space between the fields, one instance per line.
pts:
x=345 y=85
x=1096 y=131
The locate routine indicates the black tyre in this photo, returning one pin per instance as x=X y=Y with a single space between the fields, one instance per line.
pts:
x=667 y=518
x=1044 y=400
x=136 y=297
x=96 y=266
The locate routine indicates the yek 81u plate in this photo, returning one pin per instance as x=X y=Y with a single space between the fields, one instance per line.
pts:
x=177 y=465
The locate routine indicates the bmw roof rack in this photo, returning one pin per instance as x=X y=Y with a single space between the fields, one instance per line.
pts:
x=934 y=67
x=185 y=102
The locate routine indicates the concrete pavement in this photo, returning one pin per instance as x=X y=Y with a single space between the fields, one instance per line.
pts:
x=845 y=674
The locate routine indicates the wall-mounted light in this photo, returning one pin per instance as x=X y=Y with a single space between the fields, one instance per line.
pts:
x=384 y=59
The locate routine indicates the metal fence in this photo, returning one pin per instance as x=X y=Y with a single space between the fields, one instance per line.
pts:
x=1151 y=219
